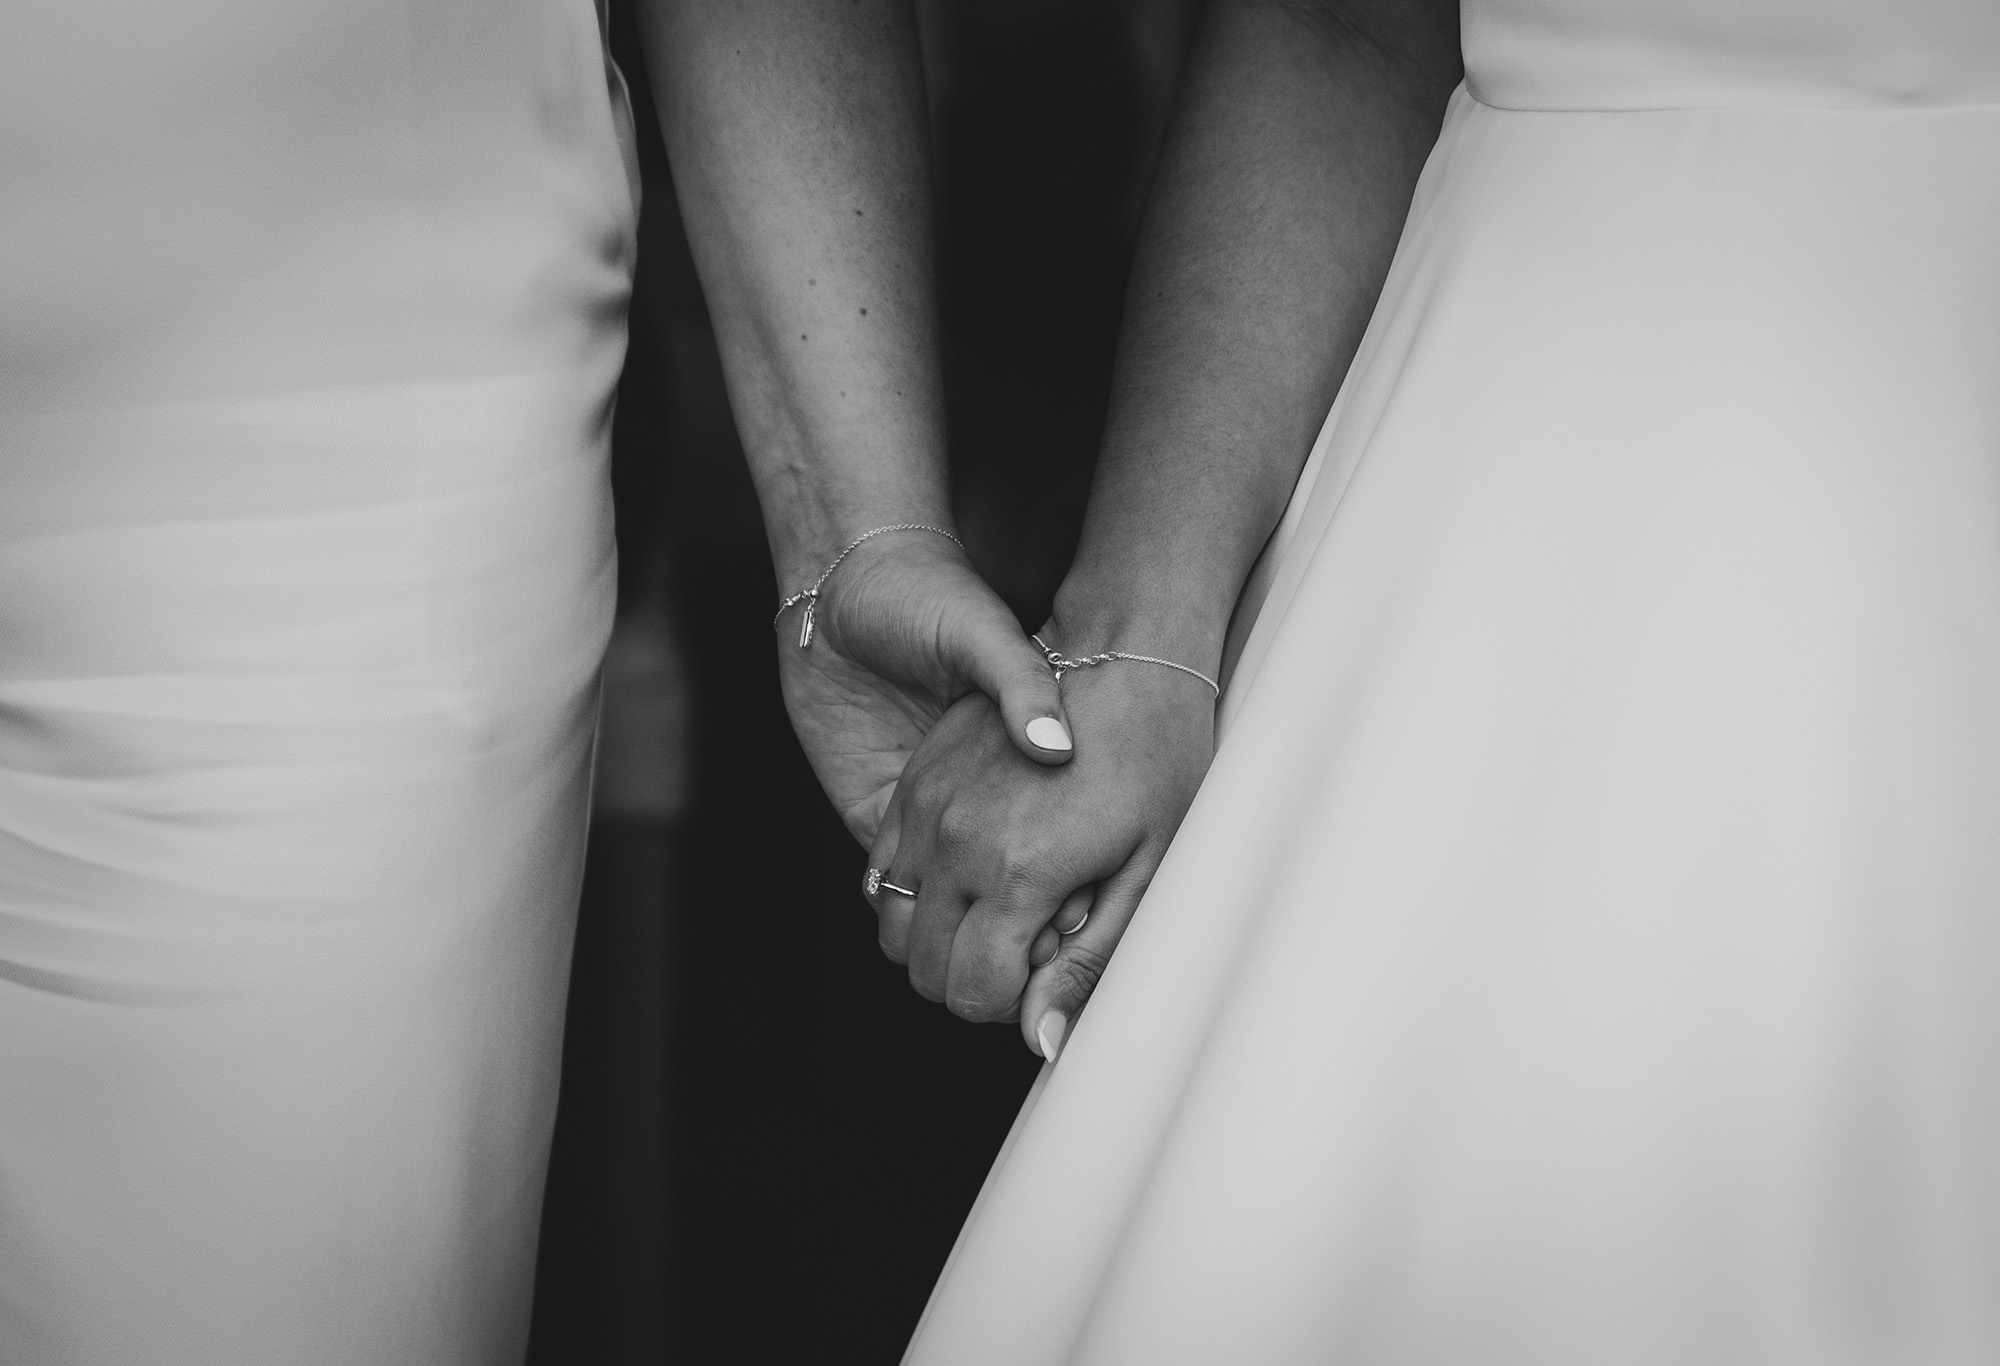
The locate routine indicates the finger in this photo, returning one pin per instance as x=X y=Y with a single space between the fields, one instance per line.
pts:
x=1044 y=947
x=1068 y=920
x=1028 y=888
x=992 y=951
x=987 y=647
x=934 y=921
x=1074 y=912
x=988 y=967
x=1058 y=990
x=990 y=962
x=892 y=909
x=882 y=850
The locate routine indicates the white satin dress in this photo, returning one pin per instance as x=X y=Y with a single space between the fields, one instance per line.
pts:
x=1585 y=950
x=310 y=315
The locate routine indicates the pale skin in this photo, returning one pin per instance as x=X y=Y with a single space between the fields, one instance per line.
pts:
x=1282 y=189
x=797 y=135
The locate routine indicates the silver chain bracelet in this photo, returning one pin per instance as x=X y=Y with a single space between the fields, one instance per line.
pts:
x=810 y=596
x=1061 y=664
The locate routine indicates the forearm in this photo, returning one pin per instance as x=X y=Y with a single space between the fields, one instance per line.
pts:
x=1276 y=209
x=797 y=135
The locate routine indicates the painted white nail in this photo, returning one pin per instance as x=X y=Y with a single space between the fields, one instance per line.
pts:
x=1045 y=732
x=1049 y=1033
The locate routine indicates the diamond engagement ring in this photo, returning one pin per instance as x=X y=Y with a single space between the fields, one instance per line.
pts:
x=876 y=881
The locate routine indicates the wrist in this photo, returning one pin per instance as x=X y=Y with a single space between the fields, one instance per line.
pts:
x=808 y=540
x=820 y=484
x=1144 y=702
x=1089 y=619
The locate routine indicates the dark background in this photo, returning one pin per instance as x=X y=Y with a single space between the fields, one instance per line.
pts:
x=767 y=1141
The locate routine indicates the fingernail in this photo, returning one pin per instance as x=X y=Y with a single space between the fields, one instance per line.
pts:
x=1049 y=1033
x=1045 y=732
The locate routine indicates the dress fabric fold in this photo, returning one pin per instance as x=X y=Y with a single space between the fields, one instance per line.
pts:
x=310 y=317
x=1584 y=947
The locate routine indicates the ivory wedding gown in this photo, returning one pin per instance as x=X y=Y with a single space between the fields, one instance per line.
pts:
x=310 y=314
x=1585 y=950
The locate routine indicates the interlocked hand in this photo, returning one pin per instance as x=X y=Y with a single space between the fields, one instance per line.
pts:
x=904 y=629
x=1000 y=851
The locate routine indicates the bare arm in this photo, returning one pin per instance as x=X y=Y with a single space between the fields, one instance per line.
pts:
x=1281 y=193
x=797 y=134
x=1280 y=196
x=798 y=140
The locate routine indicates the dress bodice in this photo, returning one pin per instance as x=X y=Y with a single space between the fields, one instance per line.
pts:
x=1663 y=54
x=223 y=196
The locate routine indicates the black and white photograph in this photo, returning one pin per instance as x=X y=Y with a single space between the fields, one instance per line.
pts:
x=1000 y=683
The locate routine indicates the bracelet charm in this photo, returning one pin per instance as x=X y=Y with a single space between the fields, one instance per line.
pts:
x=1060 y=664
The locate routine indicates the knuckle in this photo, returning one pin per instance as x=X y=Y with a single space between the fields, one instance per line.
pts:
x=1082 y=968
x=970 y=1008
x=922 y=798
x=981 y=1001
x=986 y=972
x=959 y=825
x=1031 y=874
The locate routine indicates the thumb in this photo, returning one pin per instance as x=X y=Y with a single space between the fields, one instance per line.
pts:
x=991 y=653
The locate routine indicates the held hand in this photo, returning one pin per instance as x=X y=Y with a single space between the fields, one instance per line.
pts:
x=1001 y=851
x=905 y=627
